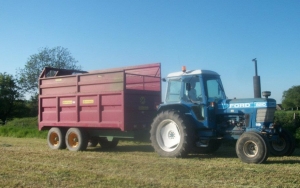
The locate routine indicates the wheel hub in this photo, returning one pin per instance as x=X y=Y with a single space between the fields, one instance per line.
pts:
x=54 y=139
x=250 y=149
x=171 y=134
x=168 y=135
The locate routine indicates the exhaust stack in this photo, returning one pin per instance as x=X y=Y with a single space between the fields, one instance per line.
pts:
x=256 y=81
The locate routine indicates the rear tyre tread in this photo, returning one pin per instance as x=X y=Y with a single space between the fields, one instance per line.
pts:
x=161 y=121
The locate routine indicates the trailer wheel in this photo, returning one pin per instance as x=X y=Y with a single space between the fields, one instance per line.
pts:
x=105 y=144
x=169 y=135
x=56 y=138
x=284 y=146
x=76 y=139
x=252 y=147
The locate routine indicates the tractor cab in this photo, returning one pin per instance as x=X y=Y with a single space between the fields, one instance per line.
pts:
x=196 y=86
x=196 y=93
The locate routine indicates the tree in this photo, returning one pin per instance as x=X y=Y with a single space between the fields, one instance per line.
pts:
x=8 y=95
x=57 y=57
x=291 y=97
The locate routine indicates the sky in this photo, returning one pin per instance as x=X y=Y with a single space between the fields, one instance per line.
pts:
x=219 y=35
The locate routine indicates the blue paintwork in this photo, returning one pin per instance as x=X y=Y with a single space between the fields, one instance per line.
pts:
x=216 y=118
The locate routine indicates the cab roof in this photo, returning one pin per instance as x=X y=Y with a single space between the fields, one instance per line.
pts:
x=192 y=72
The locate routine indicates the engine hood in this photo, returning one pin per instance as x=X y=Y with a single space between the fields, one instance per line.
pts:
x=250 y=103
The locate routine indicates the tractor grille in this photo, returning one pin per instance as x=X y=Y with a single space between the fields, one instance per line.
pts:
x=265 y=115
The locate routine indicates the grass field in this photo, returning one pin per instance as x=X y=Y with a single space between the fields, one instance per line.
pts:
x=28 y=162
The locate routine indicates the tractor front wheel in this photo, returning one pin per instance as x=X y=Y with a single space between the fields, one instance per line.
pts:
x=252 y=147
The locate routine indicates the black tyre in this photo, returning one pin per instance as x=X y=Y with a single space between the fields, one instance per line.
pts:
x=284 y=146
x=56 y=138
x=76 y=139
x=93 y=142
x=213 y=145
x=169 y=135
x=105 y=144
x=252 y=147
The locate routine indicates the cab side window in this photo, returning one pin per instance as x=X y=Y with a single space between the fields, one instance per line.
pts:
x=192 y=90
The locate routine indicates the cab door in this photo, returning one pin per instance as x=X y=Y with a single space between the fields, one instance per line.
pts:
x=214 y=92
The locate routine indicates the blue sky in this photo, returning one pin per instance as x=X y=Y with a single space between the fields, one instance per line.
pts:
x=223 y=36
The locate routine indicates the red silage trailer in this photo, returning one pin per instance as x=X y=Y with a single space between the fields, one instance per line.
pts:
x=98 y=106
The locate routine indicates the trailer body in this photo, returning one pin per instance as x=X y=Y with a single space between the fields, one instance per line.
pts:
x=122 y=99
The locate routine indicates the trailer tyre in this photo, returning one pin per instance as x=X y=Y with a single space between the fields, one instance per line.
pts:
x=76 y=139
x=169 y=135
x=56 y=138
x=284 y=146
x=252 y=147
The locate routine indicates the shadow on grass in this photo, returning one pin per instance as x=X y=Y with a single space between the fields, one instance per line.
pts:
x=225 y=151
x=126 y=148
x=283 y=162
x=222 y=152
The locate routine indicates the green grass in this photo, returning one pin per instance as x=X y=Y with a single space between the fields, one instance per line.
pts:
x=28 y=162
x=22 y=128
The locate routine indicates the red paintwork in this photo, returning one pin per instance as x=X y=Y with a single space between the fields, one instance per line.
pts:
x=121 y=98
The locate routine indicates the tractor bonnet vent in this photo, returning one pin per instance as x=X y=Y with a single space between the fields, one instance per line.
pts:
x=265 y=115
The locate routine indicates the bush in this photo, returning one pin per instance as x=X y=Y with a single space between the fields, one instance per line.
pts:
x=287 y=120
x=22 y=128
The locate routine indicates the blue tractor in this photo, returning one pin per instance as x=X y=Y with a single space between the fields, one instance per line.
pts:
x=196 y=116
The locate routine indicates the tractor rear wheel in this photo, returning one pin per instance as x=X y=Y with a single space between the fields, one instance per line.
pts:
x=76 y=139
x=252 y=147
x=169 y=134
x=284 y=146
x=56 y=138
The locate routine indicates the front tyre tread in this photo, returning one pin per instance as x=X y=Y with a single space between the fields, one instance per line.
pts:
x=252 y=147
